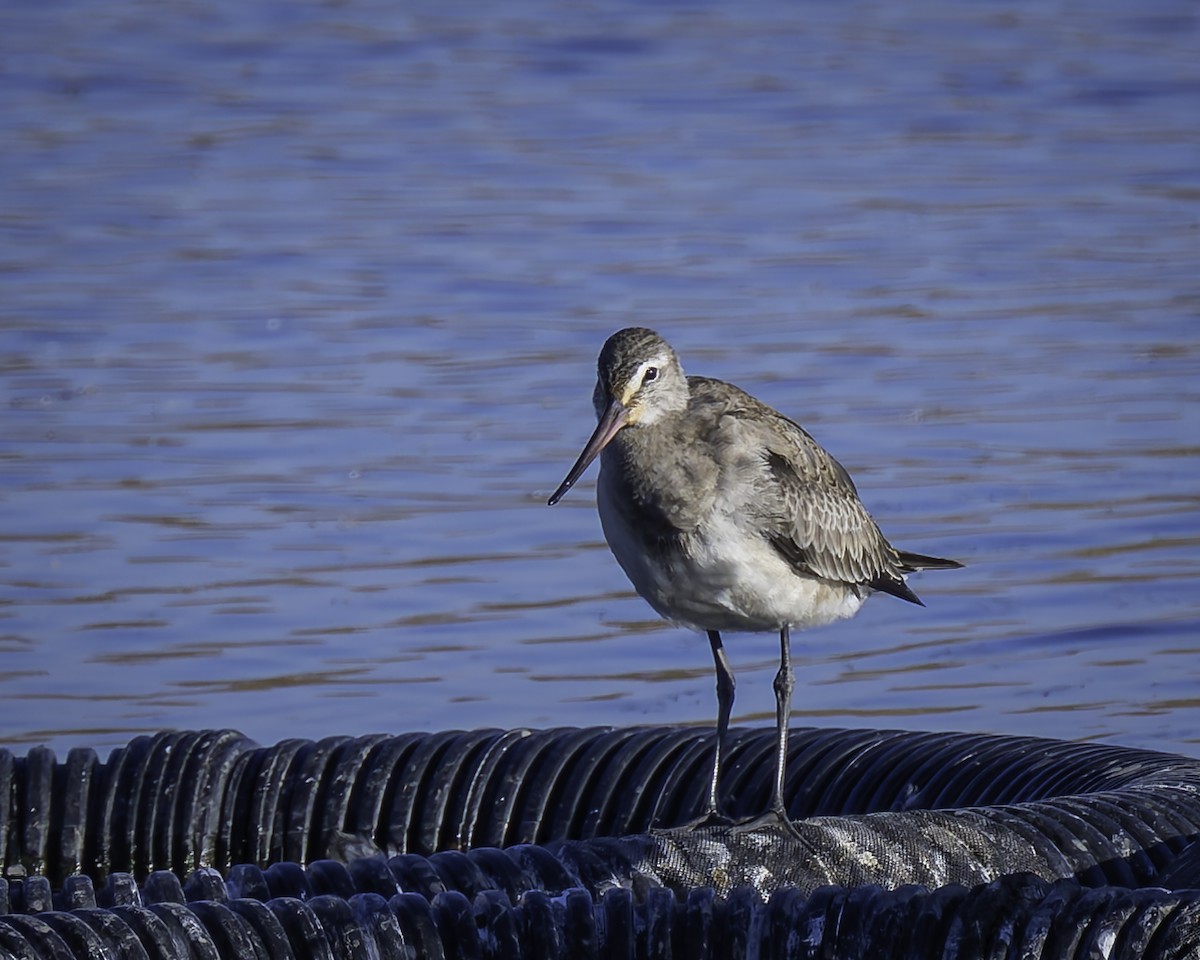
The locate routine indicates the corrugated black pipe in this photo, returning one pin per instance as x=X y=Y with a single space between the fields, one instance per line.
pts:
x=911 y=845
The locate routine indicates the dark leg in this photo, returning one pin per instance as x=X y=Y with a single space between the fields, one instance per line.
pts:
x=785 y=680
x=712 y=815
x=725 y=685
x=776 y=819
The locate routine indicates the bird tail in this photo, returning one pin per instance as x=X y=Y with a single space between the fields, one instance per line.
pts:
x=911 y=562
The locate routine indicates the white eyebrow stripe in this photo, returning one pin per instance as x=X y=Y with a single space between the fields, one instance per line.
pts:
x=635 y=382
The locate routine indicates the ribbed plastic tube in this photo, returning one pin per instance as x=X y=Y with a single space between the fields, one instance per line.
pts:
x=539 y=844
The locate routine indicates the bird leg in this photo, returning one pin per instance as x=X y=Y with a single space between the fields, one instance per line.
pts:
x=785 y=681
x=713 y=815
x=777 y=819
x=725 y=687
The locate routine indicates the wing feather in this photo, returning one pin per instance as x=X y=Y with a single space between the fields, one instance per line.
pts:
x=825 y=529
x=804 y=501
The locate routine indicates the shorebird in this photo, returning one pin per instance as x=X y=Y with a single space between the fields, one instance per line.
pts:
x=727 y=516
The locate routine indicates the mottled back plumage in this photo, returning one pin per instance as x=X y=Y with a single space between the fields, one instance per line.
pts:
x=805 y=503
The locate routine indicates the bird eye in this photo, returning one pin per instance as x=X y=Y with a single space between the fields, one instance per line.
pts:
x=650 y=374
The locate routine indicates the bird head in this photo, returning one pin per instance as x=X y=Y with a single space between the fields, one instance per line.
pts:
x=638 y=381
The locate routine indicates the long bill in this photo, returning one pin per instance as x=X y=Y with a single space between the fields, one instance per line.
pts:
x=611 y=422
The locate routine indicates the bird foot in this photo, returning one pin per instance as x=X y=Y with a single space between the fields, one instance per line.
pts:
x=773 y=821
x=710 y=818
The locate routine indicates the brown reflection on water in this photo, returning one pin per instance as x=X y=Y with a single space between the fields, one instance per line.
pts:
x=210 y=650
x=863 y=713
x=348 y=677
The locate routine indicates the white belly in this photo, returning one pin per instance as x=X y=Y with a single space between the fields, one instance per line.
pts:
x=723 y=578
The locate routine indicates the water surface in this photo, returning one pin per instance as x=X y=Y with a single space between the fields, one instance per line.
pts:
x=299 y=308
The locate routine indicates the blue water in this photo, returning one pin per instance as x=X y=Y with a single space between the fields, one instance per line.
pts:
x=299 y=309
